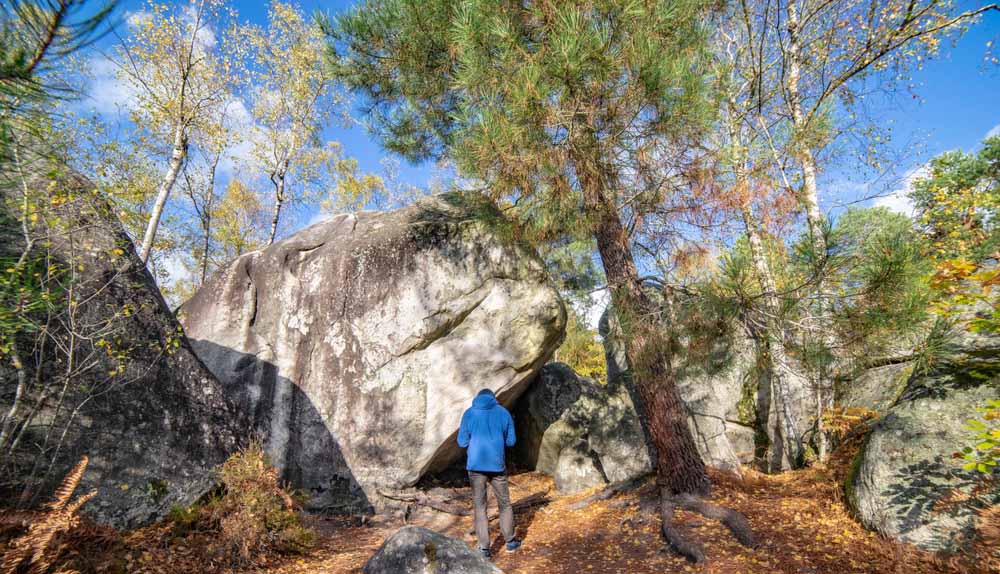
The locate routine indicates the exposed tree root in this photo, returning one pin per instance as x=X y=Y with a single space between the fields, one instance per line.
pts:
x=734 y=521
x=690 y=550
x=609 y=491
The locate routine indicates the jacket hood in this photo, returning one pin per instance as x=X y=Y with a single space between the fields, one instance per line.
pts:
x=484 y=400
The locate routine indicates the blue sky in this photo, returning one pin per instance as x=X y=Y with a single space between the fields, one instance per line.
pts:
x=957 y=105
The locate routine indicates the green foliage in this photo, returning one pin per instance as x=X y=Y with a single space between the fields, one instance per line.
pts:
x=27 y=288
x=518 y=94
x=878 y=274
x=958 y=204
x=984 y=452
x=581 y=350
x=35 y=38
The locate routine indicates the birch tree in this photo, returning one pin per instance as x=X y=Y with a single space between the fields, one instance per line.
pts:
x=292 y=101
x=178 y=73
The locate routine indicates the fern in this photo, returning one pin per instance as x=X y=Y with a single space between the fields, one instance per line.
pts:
x=34 y=552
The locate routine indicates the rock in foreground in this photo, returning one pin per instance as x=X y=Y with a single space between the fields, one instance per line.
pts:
x=417 y=550
x=357 y=343
x=905 y=483
x=152 y=419
x=581 y=432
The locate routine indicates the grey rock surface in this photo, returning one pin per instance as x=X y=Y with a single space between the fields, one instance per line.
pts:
x=356 y=344
x=581 y=432
x=712 y=385
x=417 y=550
x=905 y=483
x=877 y=388
x=578 y=468
x=152 y=419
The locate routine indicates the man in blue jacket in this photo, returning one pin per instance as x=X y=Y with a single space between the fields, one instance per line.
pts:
x=486 y=429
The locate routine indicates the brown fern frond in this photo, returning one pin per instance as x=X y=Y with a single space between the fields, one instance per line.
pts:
x=79 y=502
x=68 y=485
x=33 y=549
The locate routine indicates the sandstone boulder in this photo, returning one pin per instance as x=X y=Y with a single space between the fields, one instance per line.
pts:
x=581 y=432
x=136 y=400
x=356 y=344
x=905 y=483
x=417 y=550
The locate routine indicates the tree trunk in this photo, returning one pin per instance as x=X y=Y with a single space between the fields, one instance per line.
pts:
x=176 y=161
x=206 y=218
x=278 y=179
x=679 y=467
x=809 y=197
x=783 y=414
x=680 y=471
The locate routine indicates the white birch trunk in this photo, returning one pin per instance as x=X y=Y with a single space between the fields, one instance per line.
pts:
x=174 y=168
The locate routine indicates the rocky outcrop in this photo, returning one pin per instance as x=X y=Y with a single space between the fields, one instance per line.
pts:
x=416 y=550
x=876 y=388
x=713 y=382
x=356 y=344
x=905 y=483
x=581 y=432
x=135 y=398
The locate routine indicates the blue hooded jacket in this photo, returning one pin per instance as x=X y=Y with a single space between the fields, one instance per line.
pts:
x=486 y=429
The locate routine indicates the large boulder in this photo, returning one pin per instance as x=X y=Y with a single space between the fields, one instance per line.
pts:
x=905 y=482
x=417 y=550
x=357 y=343
x=135 y=398
x=579 y=431
x=716 y=382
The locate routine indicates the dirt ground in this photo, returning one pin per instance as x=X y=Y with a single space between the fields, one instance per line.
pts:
x=799 y=517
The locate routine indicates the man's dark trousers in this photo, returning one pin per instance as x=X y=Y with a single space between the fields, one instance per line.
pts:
x=498 y=480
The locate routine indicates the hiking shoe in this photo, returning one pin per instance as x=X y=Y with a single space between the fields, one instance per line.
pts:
x=513 y=545
x=486 y=553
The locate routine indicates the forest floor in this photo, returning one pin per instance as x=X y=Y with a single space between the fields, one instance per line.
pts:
x=800 y=518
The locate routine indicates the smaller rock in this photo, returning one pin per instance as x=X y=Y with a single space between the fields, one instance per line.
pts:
x=417 y=550
x=877 y=388
x=578 y=468
x=579 y=431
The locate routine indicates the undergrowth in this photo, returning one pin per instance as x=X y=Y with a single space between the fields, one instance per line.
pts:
x=54 y=539
x=249 y=521
x=251 y=516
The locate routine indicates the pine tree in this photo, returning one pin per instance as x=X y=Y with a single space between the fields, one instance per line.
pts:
x=570 y=111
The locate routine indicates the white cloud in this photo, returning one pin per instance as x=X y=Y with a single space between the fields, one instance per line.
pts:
x=204 y=35
x=994 y=132
x=136 y=17
x=108 y=94
x=898 y=200
x=239 y=120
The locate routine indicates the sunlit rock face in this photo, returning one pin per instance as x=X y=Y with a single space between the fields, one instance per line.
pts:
x=356 y=344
